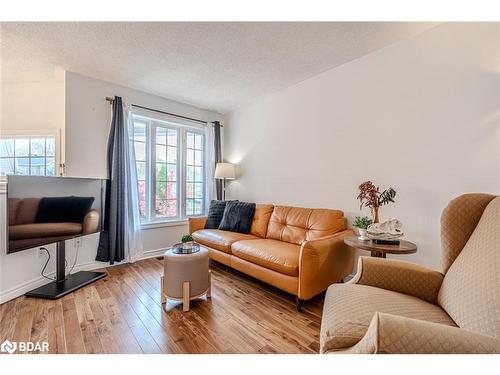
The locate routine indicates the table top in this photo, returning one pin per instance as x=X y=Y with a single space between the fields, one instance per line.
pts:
x=404 y=247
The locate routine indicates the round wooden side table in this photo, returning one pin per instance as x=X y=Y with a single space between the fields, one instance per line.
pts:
x=380 y=250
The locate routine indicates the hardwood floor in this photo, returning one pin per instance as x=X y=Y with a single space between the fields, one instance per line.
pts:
x=122 y=314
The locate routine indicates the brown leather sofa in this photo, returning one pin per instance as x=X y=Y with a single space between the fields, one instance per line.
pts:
x=398 y=307
x=298 y=250
x=25 y=233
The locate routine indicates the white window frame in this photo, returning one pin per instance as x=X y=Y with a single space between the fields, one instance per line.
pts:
x=152 y=121
x=44 y=133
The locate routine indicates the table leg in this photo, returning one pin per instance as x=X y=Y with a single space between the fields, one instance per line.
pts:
x=377 y=254
x=185 y=296
x=209 y=290
x=163 y=295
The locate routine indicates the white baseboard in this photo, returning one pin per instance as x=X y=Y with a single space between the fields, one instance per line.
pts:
x=19 y=290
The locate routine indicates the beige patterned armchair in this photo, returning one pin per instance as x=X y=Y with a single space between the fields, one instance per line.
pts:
x=392 y=306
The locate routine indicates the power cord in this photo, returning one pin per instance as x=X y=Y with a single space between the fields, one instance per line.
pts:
x=76 y=257
x=48 y=260
x=45 y=266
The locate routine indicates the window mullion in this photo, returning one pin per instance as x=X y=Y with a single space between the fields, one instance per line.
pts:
x=151 y=178
x=181 y=184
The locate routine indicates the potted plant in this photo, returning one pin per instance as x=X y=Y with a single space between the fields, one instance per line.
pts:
x=187 y=241
x=362 y=223
x=371 y=196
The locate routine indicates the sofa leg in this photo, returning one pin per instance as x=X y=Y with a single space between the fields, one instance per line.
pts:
x=298 y=303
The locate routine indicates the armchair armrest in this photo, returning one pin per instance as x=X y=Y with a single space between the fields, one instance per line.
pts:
x=90 y=222
x=399 y=276
x=322 y=262
x=196 y=223
x=396 y=334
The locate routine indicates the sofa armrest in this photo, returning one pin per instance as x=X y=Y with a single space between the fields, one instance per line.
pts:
x=396 y=334
x=322 y=262
x=399 y=276
x=90 y=222
x=196 y=223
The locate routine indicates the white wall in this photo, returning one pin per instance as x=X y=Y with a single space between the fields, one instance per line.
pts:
x=87 y=118
x=422 y=115
x=33 y=108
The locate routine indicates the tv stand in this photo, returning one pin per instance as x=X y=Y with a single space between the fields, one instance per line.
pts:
x=64 y=285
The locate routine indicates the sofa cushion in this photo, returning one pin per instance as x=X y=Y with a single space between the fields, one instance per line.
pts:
x=470 y=292
x=28 y=208
x=295 y=225
x=13 y=208
x=349 y=308
x=219 y=239
x=282 y=257
x=24 y=231
x=261 y=218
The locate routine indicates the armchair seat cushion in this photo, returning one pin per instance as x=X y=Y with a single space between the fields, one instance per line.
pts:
x=349 y=309
x=282 y=257
x=219 y=239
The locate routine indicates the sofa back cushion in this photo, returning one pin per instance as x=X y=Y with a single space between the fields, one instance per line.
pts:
x=13 y=208
x=261 y=218
x=470 y=292
x=295 y=225
x=26 y=213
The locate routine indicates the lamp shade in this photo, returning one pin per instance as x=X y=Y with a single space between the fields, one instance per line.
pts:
x=225 y=170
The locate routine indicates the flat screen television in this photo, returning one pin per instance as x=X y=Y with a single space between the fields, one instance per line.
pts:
x=48 y=210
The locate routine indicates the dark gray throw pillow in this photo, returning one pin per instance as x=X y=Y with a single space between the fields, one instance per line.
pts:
x=63 y=209
x=238 y=217
x=215 y=213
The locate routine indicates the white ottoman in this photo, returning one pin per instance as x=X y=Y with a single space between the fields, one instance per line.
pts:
x=185 y=276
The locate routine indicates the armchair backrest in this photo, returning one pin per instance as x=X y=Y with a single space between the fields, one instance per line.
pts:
x=470 y=292
x=458 y=221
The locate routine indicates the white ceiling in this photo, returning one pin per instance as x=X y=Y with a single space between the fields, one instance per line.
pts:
x=217 y=66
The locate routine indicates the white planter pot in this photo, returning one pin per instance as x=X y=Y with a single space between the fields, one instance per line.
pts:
x=363 y=235
x=187 y=245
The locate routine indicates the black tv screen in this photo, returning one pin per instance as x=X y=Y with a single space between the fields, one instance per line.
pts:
x=45 y=210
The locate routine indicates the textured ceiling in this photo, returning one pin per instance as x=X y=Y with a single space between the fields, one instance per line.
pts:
x=217 y=66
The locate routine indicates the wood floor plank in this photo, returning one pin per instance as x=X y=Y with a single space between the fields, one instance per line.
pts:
x=8 y=318
x=24 y=321
x=73 y=336
x=123 y=314
x=39 y=325
x=55 y=328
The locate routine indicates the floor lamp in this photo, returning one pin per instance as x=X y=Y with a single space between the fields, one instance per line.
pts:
x=224 y=171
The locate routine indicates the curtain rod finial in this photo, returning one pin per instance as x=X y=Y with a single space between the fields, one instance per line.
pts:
x=110 y=99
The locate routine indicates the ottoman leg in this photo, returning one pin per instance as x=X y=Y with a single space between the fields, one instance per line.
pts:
x=163 y=295
x=209 y=290
x=185 y=296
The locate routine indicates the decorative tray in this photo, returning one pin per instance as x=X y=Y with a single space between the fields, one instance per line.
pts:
x=183 y=248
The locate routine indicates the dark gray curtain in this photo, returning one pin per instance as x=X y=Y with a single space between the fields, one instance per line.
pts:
x=218 y=157
x=112 y=239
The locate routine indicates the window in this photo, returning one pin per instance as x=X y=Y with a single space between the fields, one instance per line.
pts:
x=28 y=155
x=170 y=161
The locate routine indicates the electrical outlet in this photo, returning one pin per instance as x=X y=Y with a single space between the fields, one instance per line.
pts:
x=41 y=252
x=77 y=242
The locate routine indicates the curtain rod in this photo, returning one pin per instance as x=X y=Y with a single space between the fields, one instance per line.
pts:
x=110 y=99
